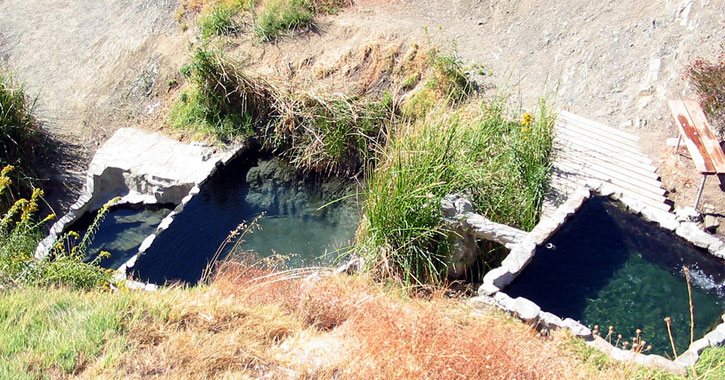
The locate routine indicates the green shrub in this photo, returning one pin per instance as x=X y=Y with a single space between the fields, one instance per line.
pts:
x=223 y=100
x=326 y=134
x=218 y=22
x=501 y=165
x=708 y=78
x=447 y=82
x=65 y=265
x=280 y=16
x=18 y=136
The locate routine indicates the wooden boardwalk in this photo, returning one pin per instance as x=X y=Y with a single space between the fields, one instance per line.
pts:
x=585 y=150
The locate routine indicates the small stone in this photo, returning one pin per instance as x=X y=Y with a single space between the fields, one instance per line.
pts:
x=659 y=362
x=715 y=337
x=577 y=328
x=622 y=355
x=688 y=214
x=500 y=277
x=692 y=233
x=146 y=243
x=481 y=22
x=687 y=358
x=671 y=142
x=549 y=320
x=488 y=289
x=482 y=302
x=699 y=345
x=526 y=310
x=711 y=223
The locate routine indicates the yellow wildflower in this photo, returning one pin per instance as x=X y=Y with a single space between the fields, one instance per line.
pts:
x=526 y=119
x=7 y=169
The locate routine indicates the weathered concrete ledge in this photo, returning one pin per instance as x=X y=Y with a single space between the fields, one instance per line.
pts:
x=141 y=167
x=524 y=249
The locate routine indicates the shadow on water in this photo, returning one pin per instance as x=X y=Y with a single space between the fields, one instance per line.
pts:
x=568 y=272
x=609 y=267
x=287 y=206
x=121 y=231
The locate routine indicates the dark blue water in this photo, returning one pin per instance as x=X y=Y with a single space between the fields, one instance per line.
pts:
x=609 y=267
x=294 y=220
x=121 y=231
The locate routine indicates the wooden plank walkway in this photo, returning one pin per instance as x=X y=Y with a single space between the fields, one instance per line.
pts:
x=586 y=150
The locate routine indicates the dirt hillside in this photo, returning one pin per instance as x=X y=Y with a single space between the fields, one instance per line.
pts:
x=100 y=65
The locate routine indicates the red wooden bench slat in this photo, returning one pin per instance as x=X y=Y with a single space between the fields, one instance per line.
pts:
x=693 y=140
x=711 y=143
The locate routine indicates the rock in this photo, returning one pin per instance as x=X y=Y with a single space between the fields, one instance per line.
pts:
x=659 y=362
x=500 y=277
x=526 y=310
x=577 y=328
x=671 y=142
x=520 y=256
x=489 y=230
x=600 y=344
x=455 y=204
x=687 y=358
x=622 y=355
x=488 y=289
x=688 y=214
x=666 y=220
x=715 y=337
x=482 y=302
x=711 y=223
x=692 y=233
x=549 y=320
x=505 y=302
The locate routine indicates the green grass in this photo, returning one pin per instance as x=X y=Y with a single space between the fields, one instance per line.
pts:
x=65 y=264
x=222 y=100
x=500 y=164
x=18 y=136
x=322 y=133
x=49 y=332
x=224 y=19
x=280 y=16
x=711 y=365
x=447 y=82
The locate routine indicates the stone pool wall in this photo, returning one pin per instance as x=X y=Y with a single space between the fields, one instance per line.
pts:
x=141 y=167
x=523 y=248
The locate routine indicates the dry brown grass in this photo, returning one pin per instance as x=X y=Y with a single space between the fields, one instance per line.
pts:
x=252 y=323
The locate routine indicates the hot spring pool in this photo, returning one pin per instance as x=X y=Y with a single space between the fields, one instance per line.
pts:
x=301 y=219
x=121 y=231
x=609 y=267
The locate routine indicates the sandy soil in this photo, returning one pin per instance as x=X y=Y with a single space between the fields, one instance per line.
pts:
x=92 y=64
x=613 y=61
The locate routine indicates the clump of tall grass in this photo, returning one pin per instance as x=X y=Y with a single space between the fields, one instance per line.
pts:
x=323 y=133
x=66 y=264
x=224 y=18
x=223 y=100
x=502 y=165
x=18 y=135
x=447 y=81
x=708 y=78
x=279 y=16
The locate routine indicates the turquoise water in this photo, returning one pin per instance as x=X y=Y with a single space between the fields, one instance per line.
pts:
x=121 y=232
x=297 y=217
x=607 y=267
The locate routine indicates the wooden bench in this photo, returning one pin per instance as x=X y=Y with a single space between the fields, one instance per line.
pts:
x=704 y=148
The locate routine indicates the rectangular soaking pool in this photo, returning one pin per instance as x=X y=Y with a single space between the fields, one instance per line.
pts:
x=608 y=267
